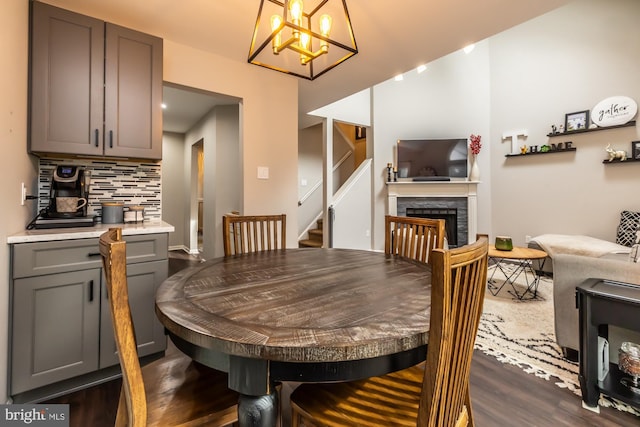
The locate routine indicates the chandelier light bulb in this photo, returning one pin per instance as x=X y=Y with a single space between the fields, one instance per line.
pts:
x=295 y=7
x=304 y=44
x=276 y=21
x=325 y=28
x=325 y=25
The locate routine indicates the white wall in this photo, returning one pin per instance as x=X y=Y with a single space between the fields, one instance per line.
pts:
x=268 y=133
x=266 y=138
x=173 y=195
x=562 y=62
x=450 y=99
x=219 y=132
x=225 y=195
x=352 y=224
x=310 y=171
x=353 y=109
x=528 y=77
x=18 y=166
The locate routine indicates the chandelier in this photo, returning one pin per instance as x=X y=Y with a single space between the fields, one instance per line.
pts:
x=304 y=39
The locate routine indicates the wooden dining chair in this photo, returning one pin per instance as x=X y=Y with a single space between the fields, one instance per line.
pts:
x=186 y=393
x=434 y=394
x=413 y=237
x=255 y=233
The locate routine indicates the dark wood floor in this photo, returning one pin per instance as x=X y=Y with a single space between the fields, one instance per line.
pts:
x=502 y=395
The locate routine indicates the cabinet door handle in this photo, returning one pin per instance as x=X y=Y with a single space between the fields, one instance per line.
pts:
x=92 y=254
x=90 y=290
x=110 y=139
x=97 y=138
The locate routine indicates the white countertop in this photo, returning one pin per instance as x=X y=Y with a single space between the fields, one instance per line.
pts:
x=45 y=235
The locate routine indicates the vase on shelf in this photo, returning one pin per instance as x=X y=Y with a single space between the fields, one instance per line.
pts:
x=474 y=172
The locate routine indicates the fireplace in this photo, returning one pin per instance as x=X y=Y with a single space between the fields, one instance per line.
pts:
x=450 y=217
x=455 y=201
x=453 y=210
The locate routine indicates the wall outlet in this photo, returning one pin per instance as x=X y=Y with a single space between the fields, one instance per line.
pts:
x=527 y=239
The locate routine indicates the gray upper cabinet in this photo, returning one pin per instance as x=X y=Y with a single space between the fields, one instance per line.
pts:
x=96 y=88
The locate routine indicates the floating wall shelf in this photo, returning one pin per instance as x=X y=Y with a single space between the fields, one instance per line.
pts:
x=564 y=150
x=573 y=132
x=618 y=161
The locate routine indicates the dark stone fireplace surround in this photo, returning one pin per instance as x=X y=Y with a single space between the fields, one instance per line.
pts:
x=441 y=207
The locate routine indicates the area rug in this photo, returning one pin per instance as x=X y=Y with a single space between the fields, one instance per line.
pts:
x=521 y=333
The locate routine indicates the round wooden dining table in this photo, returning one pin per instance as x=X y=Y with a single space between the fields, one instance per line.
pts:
x=304 y=315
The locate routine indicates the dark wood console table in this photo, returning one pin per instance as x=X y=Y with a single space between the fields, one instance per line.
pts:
x=602 y=303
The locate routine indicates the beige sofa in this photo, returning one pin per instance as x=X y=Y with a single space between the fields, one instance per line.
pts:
x=572 y=260
x=570 y=271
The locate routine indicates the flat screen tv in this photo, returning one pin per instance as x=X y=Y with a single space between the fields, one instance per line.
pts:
x=432 y=158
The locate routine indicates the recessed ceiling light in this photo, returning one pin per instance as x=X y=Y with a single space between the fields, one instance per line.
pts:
x=469 y=48
x=164 y=106
x=421 y=68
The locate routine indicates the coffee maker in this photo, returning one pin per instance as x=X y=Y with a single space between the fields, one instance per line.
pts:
x=67 y=181
x=69 y=184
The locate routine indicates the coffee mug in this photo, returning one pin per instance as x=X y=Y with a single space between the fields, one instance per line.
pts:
x=69 y=204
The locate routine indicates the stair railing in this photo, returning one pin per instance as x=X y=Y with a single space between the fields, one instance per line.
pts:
x=318 y=184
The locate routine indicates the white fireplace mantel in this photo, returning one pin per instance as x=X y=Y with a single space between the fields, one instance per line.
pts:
x=426 y=189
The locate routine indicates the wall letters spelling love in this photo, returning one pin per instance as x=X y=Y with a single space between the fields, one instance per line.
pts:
x=616 y=110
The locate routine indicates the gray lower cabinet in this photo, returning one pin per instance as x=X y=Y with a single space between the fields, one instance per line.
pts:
x=143 y=280
x=55 y=319
x=61 y=327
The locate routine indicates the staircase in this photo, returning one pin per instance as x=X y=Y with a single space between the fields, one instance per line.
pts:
x=315 y=237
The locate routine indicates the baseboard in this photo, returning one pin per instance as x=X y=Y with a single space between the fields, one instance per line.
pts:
x=183 y=248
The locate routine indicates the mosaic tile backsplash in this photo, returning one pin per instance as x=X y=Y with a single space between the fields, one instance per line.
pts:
x=131 y=183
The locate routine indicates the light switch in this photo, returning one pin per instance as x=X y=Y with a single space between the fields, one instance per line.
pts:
x=263 y=172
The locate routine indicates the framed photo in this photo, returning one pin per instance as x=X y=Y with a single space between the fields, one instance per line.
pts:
x=361 y=132
x=635 y=150
x=576 y=121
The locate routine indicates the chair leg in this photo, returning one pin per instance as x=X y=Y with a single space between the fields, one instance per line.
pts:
x=467 y=402
x=121 y=415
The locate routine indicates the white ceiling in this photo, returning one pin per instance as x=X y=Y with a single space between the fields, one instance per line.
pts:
x=392 y=36
x=184 y=107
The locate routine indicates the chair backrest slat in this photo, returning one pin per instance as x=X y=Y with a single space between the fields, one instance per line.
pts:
x=412 y=237
x=256 y=233
x=114 y=260
x=457 y=293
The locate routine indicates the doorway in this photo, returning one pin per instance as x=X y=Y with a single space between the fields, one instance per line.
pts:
x=198 y=152
x=193 y=118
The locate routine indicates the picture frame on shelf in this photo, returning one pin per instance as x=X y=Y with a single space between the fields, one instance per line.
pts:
x=576 y=121
x=361 y=132
x=635 y=150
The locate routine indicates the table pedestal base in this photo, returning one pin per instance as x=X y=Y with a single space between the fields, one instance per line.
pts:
x=258 y=411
